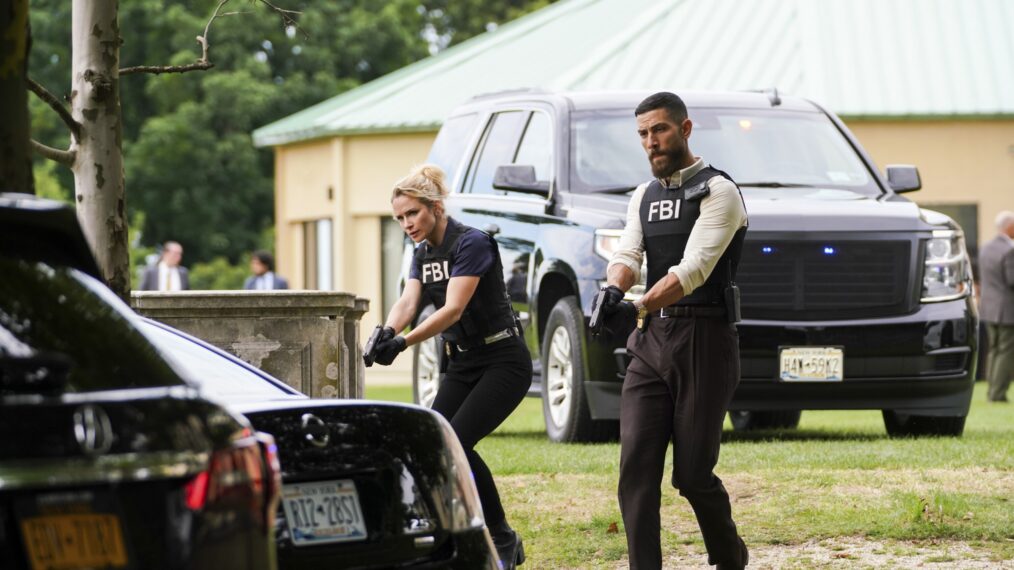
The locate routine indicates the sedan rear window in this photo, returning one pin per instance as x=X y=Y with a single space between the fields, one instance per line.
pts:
x=216 y=374
x=59 y=334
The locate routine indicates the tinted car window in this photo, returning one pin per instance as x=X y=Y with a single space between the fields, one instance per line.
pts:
x=450 y=144
x=217 y=375
x=56 y=328
x=499 y=147
x=752 y=145
x=537 y=146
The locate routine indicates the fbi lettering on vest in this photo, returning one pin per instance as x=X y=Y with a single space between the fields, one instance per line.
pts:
x=435 y=272
x=661 y=210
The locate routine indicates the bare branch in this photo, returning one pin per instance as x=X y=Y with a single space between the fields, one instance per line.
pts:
x=287 y=19
x=204 y=63
x=203 y=40
x=65 y=157
x=158 y=69
x=52 y=101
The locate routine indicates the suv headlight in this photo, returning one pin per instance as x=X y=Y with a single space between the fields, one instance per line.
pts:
x=947 y=274
x=607 y=242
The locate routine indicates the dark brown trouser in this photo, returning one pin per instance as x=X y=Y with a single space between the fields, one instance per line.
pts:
x=678 y=386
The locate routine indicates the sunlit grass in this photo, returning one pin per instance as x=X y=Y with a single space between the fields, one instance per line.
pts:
x=837 y=475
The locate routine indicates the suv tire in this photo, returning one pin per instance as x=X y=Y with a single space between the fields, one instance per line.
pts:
x=744 y=420
x=900 y=424
x=426 y=366
x=564 y=402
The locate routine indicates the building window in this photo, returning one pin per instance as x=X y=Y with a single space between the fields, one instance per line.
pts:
x=317 y=255
x=393 y=252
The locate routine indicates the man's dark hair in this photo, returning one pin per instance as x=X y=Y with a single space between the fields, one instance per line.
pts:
x=266 y=258
x=671 y=102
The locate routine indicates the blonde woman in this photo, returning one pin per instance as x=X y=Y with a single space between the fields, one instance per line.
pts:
x=457 y=268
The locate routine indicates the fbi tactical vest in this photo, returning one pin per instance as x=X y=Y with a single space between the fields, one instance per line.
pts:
x=667 y=216
x=488 y=311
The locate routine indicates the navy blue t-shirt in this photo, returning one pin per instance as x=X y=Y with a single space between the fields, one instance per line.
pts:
x=473 y=255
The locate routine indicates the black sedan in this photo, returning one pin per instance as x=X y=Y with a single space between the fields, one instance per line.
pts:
x=364 y=484
x=108 y=457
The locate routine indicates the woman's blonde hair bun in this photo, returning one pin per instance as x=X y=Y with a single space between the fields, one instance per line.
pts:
x=424 y=182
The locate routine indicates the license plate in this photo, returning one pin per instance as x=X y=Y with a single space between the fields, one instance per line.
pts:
x=811 y=364
x=85 y=540
x=323 y=512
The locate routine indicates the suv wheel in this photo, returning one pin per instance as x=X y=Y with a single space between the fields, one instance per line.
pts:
x=744 y=420
x=899 y=424
x=426 y=366
x=564 y=403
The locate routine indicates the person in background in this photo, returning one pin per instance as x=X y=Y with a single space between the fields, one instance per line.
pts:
x=262 y=265
x=996 y=263
x=167 y=274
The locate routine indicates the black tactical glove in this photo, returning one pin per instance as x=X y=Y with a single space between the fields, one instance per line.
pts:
x=612 y=297
x=380 y=334
x=389 y=349
x=623 y=312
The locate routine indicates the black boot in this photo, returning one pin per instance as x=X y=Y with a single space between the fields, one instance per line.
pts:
x=508 y=545
x=743 y=559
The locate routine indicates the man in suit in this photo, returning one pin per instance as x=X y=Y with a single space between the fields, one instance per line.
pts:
x=996 y=262
x=262 y=264
x=167 y=274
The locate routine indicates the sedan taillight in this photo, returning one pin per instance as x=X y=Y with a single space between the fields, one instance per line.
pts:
x=245 y=475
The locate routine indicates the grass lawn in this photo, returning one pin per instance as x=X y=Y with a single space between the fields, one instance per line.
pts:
x=835 y=493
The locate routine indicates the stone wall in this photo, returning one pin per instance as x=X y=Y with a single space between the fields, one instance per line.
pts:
x=308 y=339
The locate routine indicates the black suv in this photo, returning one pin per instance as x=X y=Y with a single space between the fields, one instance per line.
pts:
x=853 y=297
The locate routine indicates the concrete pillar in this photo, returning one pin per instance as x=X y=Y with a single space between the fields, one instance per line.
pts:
x=307 y=339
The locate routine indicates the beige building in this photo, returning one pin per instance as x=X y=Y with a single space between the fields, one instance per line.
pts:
x=911 y=94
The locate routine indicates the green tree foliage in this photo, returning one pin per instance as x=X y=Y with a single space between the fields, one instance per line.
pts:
x=191 y=167
x=455 y=21
x=219 y=273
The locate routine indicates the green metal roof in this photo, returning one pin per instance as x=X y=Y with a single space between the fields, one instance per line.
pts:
x=860 y=58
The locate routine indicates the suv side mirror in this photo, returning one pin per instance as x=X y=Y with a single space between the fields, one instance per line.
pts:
x=519 y=178
x=903 y=178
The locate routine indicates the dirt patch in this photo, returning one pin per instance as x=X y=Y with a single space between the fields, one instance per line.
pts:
x=850 y=552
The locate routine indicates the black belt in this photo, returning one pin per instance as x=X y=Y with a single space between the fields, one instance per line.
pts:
x=701 y=311
x=495 y=337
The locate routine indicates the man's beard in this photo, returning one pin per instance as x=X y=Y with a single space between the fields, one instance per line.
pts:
x=674 y=158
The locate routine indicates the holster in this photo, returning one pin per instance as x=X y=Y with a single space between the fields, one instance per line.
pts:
x=732 y=309
x=448 y=352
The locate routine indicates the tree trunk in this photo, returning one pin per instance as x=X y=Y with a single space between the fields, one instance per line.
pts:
x=15 y=128
x=98 y=169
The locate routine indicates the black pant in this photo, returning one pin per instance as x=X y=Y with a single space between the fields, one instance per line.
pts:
x=481 y=388
x=678 y=386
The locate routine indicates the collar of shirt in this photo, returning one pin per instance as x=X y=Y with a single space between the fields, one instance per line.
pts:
x=267 y=280
x=1009 y=239
x=676 y=180
x=451 y=224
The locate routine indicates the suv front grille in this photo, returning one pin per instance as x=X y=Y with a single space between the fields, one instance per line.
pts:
x=810 y=280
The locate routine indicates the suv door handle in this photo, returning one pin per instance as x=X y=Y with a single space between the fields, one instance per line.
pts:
x=491 y=229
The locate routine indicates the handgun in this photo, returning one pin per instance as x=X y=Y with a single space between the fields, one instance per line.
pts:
x=595 y=323
x=371 y=345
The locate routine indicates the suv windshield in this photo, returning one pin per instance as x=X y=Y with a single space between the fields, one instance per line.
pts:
x=764 y=147
x=60 y=333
